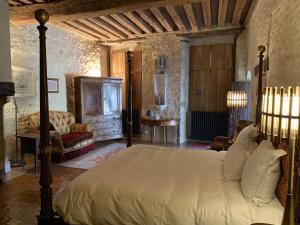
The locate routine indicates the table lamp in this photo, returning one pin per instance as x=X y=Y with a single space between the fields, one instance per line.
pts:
x=236 y=100
x=280 y=120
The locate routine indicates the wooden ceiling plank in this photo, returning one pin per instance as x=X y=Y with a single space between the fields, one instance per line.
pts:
x=239 y=6
x=27 y=2
x=206 y=12
x=191 y=16
x=210 y=32
x=161 y=19
x=73 y=30
x=81 y=9
x=108 y=26
x=127 y=23
x=135 y=18
x=87 y=29
x=117 y=25
x=176 y=18
x=14 y=3
x=223 y=4
x=98 y=28
x=150 y=19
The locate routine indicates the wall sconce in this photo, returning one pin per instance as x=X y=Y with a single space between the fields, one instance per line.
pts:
x=280 y=120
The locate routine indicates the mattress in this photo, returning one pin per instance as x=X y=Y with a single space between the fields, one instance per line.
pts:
x=152 y=185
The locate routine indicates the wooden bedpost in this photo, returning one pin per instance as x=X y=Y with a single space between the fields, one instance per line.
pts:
x=261 y=50
x=46 y=213
x=129 y=101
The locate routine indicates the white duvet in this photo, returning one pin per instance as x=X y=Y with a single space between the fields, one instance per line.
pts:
x=151 y=185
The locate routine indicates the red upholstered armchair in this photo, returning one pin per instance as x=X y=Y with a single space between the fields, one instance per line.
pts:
x=69 y=139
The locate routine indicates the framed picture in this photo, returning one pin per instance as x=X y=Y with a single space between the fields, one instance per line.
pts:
x=24 y=80
x=53 y=85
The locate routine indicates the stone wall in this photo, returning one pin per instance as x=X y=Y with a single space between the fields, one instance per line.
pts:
x=171 y=47
x=66 y=54
x=275 y=23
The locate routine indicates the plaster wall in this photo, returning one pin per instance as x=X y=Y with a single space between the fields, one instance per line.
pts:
x=275 y=24
x=66 y=54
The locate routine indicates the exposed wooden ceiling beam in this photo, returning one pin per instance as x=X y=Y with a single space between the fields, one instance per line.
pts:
x=74 y=30
x=66 y=10
x=12 y=2
x=156 y=12
x=206 y=12
x=108 y=26
x=26 y=2
x=117 y=25
x=222 y=12
x=191 y=16
x=208 y=32
x=239 y=6
x=136 y=18
x=98 y=28
x=151 y=20
x=127 y=23
x=83 y=27
x=176 y=18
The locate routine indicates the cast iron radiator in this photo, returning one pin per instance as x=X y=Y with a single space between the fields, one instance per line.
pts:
x=206 y=126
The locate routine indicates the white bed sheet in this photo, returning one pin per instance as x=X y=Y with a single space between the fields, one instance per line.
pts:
x=152 y=185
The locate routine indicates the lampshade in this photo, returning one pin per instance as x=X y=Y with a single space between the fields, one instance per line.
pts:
x=236 y=99
x=280 y=112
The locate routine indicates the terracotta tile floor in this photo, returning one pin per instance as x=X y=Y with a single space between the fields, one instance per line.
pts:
x=20 y=197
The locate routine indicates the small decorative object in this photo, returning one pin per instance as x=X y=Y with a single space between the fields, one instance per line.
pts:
x=24 y=80
x=280 y=120
x=53 y=85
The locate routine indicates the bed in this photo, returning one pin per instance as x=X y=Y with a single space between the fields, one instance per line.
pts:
x=160 y=185
x=148 y=185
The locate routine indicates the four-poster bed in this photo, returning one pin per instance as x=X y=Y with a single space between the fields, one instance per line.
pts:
x=157 y=159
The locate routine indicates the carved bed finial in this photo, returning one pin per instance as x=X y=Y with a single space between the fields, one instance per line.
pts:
x=42 y=16
x=261 y=49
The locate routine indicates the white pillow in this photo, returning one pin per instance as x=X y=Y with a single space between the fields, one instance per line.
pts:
x=239 y=152
x=261 y=174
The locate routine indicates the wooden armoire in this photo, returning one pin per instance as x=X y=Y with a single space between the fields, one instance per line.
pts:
x=98 y=101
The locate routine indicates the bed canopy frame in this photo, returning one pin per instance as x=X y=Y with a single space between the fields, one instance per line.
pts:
x=47 y=215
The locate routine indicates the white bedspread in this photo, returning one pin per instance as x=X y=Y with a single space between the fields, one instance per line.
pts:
x=151 y=185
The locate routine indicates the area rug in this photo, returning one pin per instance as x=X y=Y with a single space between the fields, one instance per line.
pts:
x=200 y=146
x=92 y=158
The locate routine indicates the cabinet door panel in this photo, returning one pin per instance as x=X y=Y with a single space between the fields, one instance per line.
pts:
x=111 y=98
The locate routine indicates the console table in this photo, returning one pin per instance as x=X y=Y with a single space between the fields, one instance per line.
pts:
x=30 y=144
x=166 y=122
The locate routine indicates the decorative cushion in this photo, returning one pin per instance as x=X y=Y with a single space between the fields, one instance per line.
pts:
x=261 y=173
x=238 y=153
x=71 y=139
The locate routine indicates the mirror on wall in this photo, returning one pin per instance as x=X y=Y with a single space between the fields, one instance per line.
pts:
x=160 y=81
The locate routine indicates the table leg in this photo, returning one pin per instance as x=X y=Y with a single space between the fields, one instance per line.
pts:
x=178 y=135
x=164 y=135
x=153 y=134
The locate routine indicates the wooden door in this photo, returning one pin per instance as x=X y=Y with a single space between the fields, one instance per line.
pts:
x=210 y=77
x=118 y=69
x=137 y=80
